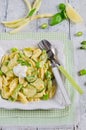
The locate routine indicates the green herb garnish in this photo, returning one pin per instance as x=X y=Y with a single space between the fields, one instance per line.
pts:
x=38 y=65
x=14 y=49
x=22 y=62
x=20 y=55
x=45 y=97
x=48 y=75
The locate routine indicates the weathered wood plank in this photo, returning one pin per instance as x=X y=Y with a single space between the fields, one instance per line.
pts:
x=2 y=14
x=79 y=54
x=28 y=128
x=55 y=129
x=80 y=62
x=46 y=129
x=18 y=128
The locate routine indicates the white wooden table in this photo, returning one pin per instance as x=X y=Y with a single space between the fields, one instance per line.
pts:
x=13 y=9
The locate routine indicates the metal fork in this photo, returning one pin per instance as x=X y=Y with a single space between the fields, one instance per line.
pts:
x=44 y=45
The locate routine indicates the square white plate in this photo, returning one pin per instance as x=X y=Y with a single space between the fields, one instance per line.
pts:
x=55 y=103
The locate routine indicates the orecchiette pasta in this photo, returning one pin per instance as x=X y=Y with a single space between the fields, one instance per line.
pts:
x=36 y=85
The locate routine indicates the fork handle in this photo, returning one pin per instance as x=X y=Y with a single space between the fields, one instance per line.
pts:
x=70 y=78
x=61 y=85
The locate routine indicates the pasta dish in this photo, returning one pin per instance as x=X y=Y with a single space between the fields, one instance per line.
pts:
x=26 y=75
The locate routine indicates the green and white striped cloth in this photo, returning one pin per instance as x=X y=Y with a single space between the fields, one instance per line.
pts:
x=44 y=117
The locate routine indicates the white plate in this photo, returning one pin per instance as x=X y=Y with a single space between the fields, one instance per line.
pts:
x=55 y=103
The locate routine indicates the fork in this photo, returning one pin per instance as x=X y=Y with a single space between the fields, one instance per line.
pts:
x=44 y=46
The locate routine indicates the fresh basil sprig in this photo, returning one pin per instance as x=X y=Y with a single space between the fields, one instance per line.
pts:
x=59 y=17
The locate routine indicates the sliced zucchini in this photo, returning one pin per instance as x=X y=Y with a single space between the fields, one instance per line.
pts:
x=39 y=84
x=30 y=91
x=15 y=93
x=31 y=79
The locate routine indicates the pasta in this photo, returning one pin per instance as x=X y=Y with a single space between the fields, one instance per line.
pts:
x=36 y=85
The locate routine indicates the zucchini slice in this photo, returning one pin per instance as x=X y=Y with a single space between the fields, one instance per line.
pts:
x=39 y=84
x=31 y=79
x=30 y=91
x=16 y=91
